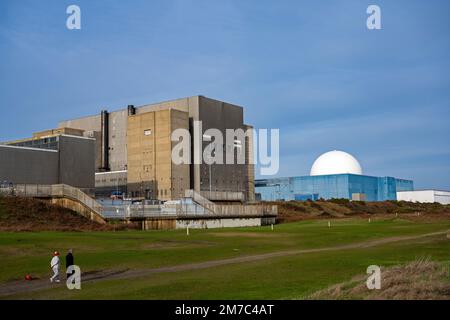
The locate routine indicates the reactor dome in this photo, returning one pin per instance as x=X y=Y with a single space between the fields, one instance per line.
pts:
x=335 y=162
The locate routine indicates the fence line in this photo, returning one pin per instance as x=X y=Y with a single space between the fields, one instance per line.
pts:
x=197 y=207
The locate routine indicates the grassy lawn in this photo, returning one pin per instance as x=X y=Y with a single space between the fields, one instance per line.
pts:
x=279 y=278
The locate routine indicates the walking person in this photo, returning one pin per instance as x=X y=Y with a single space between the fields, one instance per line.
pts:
x=69 y=262
x=54 y=265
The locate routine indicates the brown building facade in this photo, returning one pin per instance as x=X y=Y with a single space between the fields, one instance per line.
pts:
x=151 y=172
x=136 y=143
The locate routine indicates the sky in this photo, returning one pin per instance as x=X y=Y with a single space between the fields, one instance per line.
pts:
x=309 y=68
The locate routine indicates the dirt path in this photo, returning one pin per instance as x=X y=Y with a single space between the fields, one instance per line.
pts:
x=15 y=287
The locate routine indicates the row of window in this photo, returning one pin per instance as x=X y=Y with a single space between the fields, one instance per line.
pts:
x=149 y=192
x=45 y=143
x=111 y=180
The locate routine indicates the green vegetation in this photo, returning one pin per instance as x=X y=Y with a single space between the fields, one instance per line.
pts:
x=283 y=277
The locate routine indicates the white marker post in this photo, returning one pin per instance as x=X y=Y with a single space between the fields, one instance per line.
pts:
x=187 y=230
x=271 y=226
x=329 y=224
x=369 y=220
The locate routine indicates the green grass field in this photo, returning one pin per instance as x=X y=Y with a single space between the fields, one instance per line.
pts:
x=285 y=277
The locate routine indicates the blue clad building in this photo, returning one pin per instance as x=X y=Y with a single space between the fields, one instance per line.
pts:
x=337 y=175
x=346 y=186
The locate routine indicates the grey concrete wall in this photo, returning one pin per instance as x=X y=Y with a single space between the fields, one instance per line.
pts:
x=118 y=140
x=77 y=161
x=26 y=165
x=222 y=116
x=217 y=223
x=166 y=224
x=92 y=126
x=89 y=123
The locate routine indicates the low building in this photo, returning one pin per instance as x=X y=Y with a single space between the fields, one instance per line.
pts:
x=334 y=175
x=59 y=156
x=425 y=196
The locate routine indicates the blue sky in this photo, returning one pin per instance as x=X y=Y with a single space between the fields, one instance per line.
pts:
x=310 y=68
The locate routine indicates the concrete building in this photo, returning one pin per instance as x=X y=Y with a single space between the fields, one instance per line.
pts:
x=335 y=174
x=149 y=155
x=425 y=196
x=133 y=150
x=60 y=156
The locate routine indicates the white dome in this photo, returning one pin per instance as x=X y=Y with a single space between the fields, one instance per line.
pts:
x=335 y=162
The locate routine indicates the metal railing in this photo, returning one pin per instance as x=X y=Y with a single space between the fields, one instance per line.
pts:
x=223 y=195
x=51 y=191
x=194 y=206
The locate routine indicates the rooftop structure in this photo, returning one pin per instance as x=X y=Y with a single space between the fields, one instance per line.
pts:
x=53 y=157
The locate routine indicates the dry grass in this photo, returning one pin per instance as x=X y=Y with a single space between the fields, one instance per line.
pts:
x=26 y=214
x=422 y=279
x=290 y=211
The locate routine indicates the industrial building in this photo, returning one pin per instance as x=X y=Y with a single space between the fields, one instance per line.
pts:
x=60 y=156
x=425 y=196
x=133 y=151
x=334 y=175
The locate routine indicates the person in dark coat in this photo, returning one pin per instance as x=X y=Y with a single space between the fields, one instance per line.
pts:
x=69 y=262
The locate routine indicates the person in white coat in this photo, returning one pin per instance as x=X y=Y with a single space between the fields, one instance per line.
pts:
x=54 y=265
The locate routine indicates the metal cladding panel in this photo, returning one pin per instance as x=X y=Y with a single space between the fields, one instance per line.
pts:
x=387 y=189
x=28 y=166
x=425 y=196
x=329 y=187
x=369 y=186
x=77 y=161
x=404 y=185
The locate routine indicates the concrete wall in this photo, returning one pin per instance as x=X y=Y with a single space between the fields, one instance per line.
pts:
x=218 y=223
x=243 y=210
x=180 y=173
x=159 y=224
x=78 y=208
x=222 y=116
x=250 y=167
x=150 y=167
x=28 y=165
x=58 y=131
x=166 y=224
x=72 y=164
x=118 y=140
x=77 y=161
x=92 y=127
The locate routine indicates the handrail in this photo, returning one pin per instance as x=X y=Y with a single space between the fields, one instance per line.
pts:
x=55 y=190
x=200 y=206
